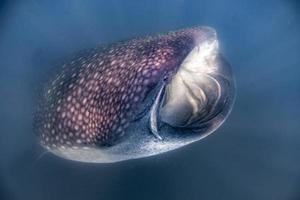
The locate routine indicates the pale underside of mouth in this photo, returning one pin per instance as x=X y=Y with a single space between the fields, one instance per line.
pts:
x=194 y=95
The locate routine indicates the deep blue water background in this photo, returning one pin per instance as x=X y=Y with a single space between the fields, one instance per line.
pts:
x=254 y=155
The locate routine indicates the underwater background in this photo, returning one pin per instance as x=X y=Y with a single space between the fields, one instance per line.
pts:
x=255 y=154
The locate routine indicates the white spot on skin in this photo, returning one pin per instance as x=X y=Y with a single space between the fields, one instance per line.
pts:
x=96 y=75
x=63 y=115
x=78 y=141
x=81 y=81
x=136 y=99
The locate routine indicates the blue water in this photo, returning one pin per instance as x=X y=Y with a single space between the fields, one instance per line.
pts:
x=254 y=155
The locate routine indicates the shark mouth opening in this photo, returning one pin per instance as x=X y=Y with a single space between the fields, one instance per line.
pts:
x=199 y=91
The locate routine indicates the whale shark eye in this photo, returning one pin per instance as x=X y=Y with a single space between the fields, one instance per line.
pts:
x=136 y=98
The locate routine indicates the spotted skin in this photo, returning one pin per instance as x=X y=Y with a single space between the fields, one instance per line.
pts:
x=95 y=96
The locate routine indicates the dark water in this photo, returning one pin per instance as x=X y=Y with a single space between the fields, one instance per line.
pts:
x=254 y=155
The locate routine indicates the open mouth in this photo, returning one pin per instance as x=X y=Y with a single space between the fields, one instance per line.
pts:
x=200 y=90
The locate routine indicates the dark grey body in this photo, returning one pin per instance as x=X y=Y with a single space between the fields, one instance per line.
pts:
x=101 y=98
